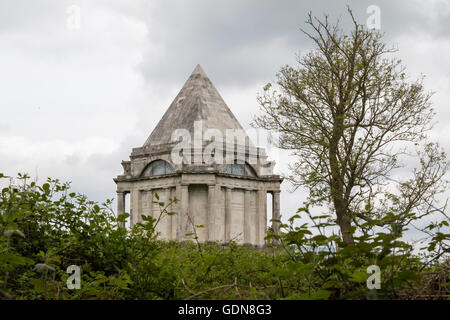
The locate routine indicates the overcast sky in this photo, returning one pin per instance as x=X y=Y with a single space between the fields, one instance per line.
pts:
x=74 y=101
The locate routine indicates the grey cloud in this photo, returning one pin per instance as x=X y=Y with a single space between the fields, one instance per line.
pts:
x=73 y=159
x=4 y=127
x=110 y=162
x=230 y=38
x=20 y=15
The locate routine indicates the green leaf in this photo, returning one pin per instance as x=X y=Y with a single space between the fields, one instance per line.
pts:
x=302 y=210
x=38 y=284
x=317 y=295
x=320 y=217
x=358 y=276
x=14 y=259
x=295 y=216
x=319 y=238
x=332 y=284
x=123 y=217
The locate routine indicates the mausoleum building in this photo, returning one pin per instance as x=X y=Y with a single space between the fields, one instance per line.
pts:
x=199 y=154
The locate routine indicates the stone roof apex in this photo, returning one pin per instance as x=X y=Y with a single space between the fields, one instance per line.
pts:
x=199 y=70
x=197 y=100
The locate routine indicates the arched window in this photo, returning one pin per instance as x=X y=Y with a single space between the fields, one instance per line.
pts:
x=158 y=167
x=240 y=169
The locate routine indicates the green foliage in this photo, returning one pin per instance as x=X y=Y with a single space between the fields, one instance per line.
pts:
x=340 y=269
x=351 y=119
x=46 y=228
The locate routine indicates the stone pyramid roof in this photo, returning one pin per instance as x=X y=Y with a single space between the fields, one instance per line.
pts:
x=197 y=100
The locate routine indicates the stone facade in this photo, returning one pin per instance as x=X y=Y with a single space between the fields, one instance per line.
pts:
x=228 y=199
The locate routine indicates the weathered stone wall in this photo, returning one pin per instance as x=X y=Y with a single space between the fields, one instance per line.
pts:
x=228 y=207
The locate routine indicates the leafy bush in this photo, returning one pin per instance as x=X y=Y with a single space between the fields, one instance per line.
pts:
x=46 y=228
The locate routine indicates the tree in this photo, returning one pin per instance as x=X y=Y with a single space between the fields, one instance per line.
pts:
x=351 y=117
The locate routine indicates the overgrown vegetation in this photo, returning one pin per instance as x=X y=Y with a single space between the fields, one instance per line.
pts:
x=349 y=114
x=46 y=228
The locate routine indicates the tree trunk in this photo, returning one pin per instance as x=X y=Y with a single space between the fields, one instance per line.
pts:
x=337 y=178
x=344 y=225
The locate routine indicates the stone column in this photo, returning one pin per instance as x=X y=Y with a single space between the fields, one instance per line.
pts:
x=261 y=217
x=150 y=202
x=146 y=205
x=182 y=192
x=212 y=209
x=228 y=195
x=276 y=212
x=173 y=218
x=247 y=217
x=133 y=204
x=121 y=205
x=178 y=210
x=220 y=216
x=166 y=219
x=140 y=208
